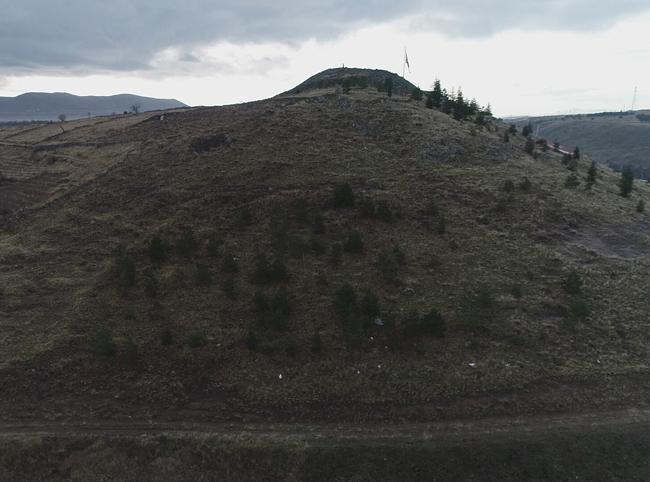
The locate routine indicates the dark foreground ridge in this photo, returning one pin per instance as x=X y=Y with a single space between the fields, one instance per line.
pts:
x=601 y=446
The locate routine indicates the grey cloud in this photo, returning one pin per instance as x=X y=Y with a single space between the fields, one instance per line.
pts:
x=92 y=35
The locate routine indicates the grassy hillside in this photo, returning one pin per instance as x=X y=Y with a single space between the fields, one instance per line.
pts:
x=617 y=140
x=318 y=257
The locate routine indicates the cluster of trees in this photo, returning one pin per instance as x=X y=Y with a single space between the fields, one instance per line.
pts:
x=455 y=104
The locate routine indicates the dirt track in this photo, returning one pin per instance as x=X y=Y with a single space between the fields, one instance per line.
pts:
x=511 y=428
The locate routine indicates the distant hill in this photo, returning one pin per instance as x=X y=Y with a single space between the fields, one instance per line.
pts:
x=38 y=106
x=613 y=138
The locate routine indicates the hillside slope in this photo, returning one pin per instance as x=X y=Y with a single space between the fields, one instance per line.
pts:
x=313 y=257
x=614 y=139
x=38 y=106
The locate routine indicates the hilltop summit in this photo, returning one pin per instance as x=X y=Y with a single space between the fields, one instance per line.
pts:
x=353 y=77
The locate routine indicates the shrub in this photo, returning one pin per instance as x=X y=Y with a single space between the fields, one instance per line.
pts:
x=432 y=324
x=318 y=224
x=336 y=254
x=573 y=283
x=158 y=249
x=229 y=263
x=354 y=243
x=343 y=196
x=279 y=309
x=530 y=146
x=432 y=209
x=509 y=186
x=367 y=208
x=506 y=136
x=387 y=266
x=202 y=275
x=213 y=246
x=579 y=310
x=441 y=225
x=291 y=348
x=124 y=269
x=345 y=303
x=512 y=129
x=525 y=185
x=388 y=86
x=317 y=247
x=516 y=292
x=592 y=175
x=260 y=302
x=479 y=306
x=267 y=273
x=166 y=336
x=186 y=244
x=572 y=181
x=301 y=210
x=150 y=284
x=251 y=342
x=197 y=339
x=316 y=343
x=243 y=218
x=383 y=212
x=102 y=342
x=640 y=207
x=370 y=306
x=229 y=289
x=130 y=353
x=416 y=93
x=626 y=183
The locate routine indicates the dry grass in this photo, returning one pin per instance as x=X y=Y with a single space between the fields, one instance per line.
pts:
x=143 y=179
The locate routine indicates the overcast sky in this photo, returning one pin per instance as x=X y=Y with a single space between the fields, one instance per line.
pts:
x=522 y=56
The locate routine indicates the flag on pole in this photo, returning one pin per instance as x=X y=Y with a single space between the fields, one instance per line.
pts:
x=406 y=60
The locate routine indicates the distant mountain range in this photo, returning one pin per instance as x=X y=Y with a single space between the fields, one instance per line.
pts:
x=617 y=139
x=37 y=106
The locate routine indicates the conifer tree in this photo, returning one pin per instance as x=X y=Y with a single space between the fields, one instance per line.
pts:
x=437 y=95
x=627 y=181
x=592 y=173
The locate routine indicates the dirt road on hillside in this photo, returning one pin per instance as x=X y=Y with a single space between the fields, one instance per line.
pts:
x=450 y=431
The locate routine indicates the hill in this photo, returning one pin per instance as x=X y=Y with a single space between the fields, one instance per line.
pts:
x=346 y=78
x=617 y=139
x=322 y=258
x=37 y=106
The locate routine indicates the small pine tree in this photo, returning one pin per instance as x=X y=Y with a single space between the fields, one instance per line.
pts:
x=592 y=174
x=343 y=196
x=437 y=96
x=354 y=243
x=506 y=137
x=573 y=283
x=527 y=130
x=345 y=302
x=124 y=269
x=186 y=245
x=576 y=153
x=388 y=86
x=513 y=129
x=530 y=146
x=572 y=181
x=508 y=186
x=640 y=207
x=158 y=249
x=626 y=183
x=102 y=342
